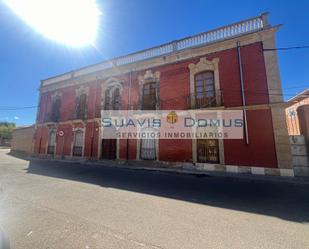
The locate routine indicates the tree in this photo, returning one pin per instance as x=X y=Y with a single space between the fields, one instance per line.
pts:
x=6 y=129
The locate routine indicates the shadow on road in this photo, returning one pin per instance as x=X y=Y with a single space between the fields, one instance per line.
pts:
x=288 y=201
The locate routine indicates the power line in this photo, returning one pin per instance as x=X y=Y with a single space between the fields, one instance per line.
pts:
x=13 y=108
x=285 y=48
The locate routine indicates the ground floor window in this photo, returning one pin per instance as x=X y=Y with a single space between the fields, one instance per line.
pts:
x=51 y=143
x=148 y=149
x=78 y=143
x=207 y=151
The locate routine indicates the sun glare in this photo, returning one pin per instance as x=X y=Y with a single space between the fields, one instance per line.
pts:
x=72 y=22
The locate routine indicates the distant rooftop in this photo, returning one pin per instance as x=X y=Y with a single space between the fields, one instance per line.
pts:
x=23 y=127
x=223 y=33
x=300 y=96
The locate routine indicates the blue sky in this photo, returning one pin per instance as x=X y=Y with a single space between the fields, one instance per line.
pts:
x=130 y=25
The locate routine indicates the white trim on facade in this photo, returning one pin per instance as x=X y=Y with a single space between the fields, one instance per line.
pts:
x=202 y=66
x=74 y=130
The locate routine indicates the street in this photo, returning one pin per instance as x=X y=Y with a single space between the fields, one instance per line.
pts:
x=48 y=204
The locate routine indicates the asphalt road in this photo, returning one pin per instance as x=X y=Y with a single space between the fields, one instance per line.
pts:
x=64 y=205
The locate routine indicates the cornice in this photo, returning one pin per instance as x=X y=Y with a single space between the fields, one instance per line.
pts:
x=172 y=58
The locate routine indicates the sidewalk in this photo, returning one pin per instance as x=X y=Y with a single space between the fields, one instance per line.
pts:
x=161 y=167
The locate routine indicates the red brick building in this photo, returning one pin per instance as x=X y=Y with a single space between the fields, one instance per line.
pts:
x=226 y=68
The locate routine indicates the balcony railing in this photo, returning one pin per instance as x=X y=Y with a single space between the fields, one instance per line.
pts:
x=52 y=117
x=205 y=99
x=223 y=33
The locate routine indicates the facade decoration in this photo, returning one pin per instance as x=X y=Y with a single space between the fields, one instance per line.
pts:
x=198 y=72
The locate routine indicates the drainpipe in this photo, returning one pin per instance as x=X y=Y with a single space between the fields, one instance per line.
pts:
x=243 y=93
x=129 y=108
x=94 y=115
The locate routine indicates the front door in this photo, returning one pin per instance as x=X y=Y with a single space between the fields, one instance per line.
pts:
x=109 y=149
x=207 y=151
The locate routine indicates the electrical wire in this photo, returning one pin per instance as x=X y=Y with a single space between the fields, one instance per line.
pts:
x=285 y=48
x=13 y=108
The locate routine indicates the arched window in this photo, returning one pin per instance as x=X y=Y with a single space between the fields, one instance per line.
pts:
x=149 y=98
x=112 y=98
x=78 y=143
x=205 y=95
x=81 y=106
x=51 y=143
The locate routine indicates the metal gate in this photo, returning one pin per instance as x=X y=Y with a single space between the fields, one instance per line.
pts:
x=207 y=151
x=148 y=149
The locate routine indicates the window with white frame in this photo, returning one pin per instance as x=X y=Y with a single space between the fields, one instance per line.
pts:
x=51 y=143
x=78 y=143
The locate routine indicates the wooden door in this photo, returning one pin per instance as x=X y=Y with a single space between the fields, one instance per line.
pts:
x=109 y=147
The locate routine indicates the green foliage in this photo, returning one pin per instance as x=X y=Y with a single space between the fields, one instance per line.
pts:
x=6 y=129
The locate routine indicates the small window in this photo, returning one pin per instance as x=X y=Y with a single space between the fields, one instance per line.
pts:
x=149 y=98
x=78 y=143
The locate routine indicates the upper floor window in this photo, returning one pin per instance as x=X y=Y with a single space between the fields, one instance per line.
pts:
x=149 y=99
x=81 y=106
x=107 y=100
x=205 y=89
x=112 y=99
x=55 y=111
x=116 y=99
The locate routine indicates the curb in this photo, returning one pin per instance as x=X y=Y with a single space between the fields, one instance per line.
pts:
x=178 y=170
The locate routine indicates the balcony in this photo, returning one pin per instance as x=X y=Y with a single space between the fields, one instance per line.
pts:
x=206 y=99
x=52 y=117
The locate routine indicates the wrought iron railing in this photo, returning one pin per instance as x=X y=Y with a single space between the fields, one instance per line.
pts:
x=77 y=150
x=205 y=99
x=52 y=117
x=148 y=153
x=226 y=32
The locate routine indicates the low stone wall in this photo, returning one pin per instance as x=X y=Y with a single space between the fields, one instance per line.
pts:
x=300 y=155
x=22 y=140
